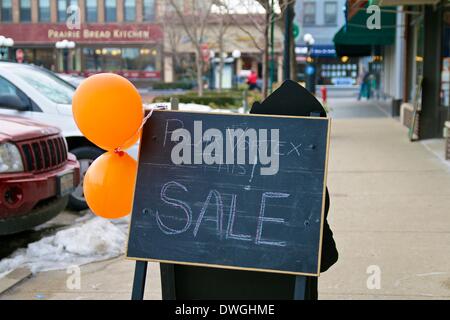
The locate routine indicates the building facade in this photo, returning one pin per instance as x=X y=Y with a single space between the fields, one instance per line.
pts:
x=129 y=37
x=119 y=36
x=322 y=19
x=411 y=46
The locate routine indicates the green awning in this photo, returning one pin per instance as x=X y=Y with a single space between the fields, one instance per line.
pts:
x=356 y=39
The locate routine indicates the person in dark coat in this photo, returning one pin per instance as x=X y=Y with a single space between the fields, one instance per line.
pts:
x=291 y=99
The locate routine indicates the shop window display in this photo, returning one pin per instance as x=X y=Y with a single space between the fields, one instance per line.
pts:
x=119 y=59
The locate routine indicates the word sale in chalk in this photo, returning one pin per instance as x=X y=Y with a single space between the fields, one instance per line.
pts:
x=182 y=211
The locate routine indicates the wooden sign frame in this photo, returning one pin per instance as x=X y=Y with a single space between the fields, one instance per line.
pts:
x=300 y=284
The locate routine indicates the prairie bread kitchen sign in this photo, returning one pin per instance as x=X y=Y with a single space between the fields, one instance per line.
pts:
x=231 y=191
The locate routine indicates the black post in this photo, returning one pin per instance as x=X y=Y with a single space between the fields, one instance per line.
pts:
x=287 y=42
x=300 y=288
x=66 y=60
x=310 y=73
x=168 y=281
x=140 y=274
x=4 y=53
x=430 y=119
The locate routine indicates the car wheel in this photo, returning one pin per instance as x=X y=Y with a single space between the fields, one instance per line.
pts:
x=85 y=156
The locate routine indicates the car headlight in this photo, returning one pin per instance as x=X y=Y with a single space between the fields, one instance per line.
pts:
x=10 y=159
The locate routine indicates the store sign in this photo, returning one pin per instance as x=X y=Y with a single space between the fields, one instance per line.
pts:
x=87 y=34
x=317 y=51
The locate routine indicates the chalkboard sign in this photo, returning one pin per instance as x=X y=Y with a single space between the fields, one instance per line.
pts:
x=231 y=191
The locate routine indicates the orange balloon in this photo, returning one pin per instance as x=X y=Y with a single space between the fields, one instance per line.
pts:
x=108 y=110
x=109 y=185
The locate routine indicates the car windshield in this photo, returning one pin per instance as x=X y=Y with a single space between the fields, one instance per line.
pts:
x=47 y=84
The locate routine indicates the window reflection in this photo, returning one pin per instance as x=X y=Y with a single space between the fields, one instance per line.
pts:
x=148 y=7
x=110 y=10
x=44 y=10
x=25 y=10
x=6 y=10
x=120 y=59
x=91 y=10
x=130 y=10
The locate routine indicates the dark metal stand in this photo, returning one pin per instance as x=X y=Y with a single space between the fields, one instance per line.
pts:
x=304 y=288
x=300 y=288
x=140 y=274
x=168 y=287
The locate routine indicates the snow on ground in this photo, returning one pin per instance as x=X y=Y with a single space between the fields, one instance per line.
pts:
x=192 y=107
x=90 y=239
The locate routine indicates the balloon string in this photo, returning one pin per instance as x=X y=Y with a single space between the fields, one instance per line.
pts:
x=119 y=149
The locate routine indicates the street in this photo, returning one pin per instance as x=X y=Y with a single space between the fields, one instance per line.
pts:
x=388 y=213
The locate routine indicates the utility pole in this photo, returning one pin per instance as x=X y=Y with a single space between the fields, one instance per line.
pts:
x=272 y=44
x=287 y=41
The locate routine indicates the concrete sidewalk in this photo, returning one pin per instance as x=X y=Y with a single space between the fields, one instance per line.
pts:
x=390 y=207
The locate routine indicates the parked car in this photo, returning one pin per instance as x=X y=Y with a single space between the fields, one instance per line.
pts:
x=37 y=93
x=37 y=174
x=72 y=79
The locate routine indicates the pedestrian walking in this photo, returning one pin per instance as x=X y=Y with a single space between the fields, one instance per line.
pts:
x=252 y=80
x=363 y=81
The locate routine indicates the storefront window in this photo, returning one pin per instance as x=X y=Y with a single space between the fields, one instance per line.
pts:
x=417 y=58
x=184 y=66
x=129 y=8
x=43 y=57
x=44 y=10
x=148 y=10
x=25 y=10
x=445 y=75
x=6 y=10
x=120 y=59
x=415 y=53
x=131 y=58
x=91 y=11
x=110 y=10
x=335 y=71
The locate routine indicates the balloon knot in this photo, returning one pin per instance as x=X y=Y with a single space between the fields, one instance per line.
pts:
x=118 y=151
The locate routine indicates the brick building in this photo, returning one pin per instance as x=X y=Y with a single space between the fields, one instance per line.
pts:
x=133 y=38
x=110 y=35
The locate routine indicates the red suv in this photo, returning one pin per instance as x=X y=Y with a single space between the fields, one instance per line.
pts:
x=37 y=174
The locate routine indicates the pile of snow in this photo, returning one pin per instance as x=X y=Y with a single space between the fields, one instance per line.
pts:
x=190 y=107
x=89 y=240
x=181 y=106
